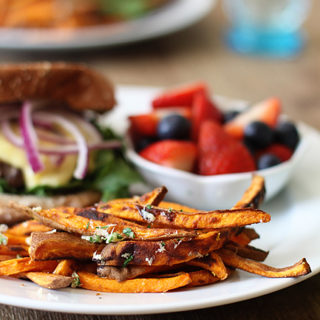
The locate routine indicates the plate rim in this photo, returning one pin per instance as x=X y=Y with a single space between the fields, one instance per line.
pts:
x=172 y=27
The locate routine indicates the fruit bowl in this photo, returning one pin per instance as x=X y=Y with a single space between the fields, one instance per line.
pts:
x=217 y=191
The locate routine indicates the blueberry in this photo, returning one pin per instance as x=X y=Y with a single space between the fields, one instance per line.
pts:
x=267 y=160
x=286 y=133
x=143 y=143
x=174 y=127
x=249 y=146
x=229 y=115
x=259 y=134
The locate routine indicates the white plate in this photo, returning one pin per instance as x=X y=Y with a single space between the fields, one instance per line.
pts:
x=293 y=233
x=170 y=18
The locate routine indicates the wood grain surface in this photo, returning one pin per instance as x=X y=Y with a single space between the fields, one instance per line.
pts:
x=199 y=53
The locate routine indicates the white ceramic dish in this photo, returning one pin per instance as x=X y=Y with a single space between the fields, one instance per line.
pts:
x=171 y=18
x=212 y=192
x=291 y=235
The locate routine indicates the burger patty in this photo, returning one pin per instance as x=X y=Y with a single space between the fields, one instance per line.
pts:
x=13 y=176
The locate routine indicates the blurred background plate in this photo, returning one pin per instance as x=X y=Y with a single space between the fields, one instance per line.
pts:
x=170 y=18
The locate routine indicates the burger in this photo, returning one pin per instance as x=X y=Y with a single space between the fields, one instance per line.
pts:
x=53 y=152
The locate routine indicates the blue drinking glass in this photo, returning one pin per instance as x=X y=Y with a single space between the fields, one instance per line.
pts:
x=266 y=27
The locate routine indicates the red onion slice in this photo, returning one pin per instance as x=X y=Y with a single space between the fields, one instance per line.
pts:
x=83 y=152
x=58 y=150
x=93 y=134
x=29 y=137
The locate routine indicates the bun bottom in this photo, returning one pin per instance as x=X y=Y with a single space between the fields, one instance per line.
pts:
x=9 y=204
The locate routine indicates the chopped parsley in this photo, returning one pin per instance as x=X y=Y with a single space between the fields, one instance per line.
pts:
x=170 y=210
x=87 y=226
x=148 y=226
x=75 y=280
x=149 y=206
x=163 y=244
x=128 y=257
x=128 y=232
x=114 y=237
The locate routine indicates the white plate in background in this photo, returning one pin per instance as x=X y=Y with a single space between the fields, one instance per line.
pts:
x=170 y=18
x=292 y=234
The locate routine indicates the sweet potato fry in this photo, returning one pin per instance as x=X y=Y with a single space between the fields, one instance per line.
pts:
x=86 y=221
x=16 y=239
x=233 y=260
x=244 y=236
x=201 y=278
x=159 y=253
x=177 y=207
x=6 y=257
x=61 y=245
x=254 y=195
x=93 y=282
x=130 y=272
x=27 y=227
x=49 y=280
x=247 y=251
x=13 y=250
x=154 y=197
x=212 y=263
x=15 y=266
x=160 y=217
x=65 y=267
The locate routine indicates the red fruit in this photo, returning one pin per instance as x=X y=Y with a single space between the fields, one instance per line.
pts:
x=220 y=153
x=146 y=124
x=178 y=97
x=171 y=153
x=266 y=111
x=203 y=109
x=281 y=151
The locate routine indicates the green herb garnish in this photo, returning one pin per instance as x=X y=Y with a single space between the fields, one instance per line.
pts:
x=149 y=206
x=75 y=280
x=128 y=259
x=128 y=232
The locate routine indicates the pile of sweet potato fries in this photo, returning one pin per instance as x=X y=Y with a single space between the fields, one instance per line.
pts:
x=141 y=244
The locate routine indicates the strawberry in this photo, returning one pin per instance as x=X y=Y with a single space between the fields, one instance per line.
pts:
x=220 y=153
x=281 y=151
x=266 y=111
x=146 y=124
x=203 y=109
x=178 y=97
x=171 y=153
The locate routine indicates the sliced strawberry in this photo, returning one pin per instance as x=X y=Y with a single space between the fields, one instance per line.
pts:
x=178 y=97
x=281 y=151
x=171 y=153
x=219 y=153
x=146 y=124
x=267 y=111
x=203 y=109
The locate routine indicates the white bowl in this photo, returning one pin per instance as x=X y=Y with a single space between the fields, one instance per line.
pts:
x=217 y=191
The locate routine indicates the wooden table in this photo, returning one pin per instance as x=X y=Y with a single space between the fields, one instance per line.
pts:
x=199 y=53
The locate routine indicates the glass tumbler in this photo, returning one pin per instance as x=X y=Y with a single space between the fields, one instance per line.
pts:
x=266 y=27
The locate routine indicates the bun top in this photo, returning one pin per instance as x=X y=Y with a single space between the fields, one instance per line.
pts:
x=78 y=86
